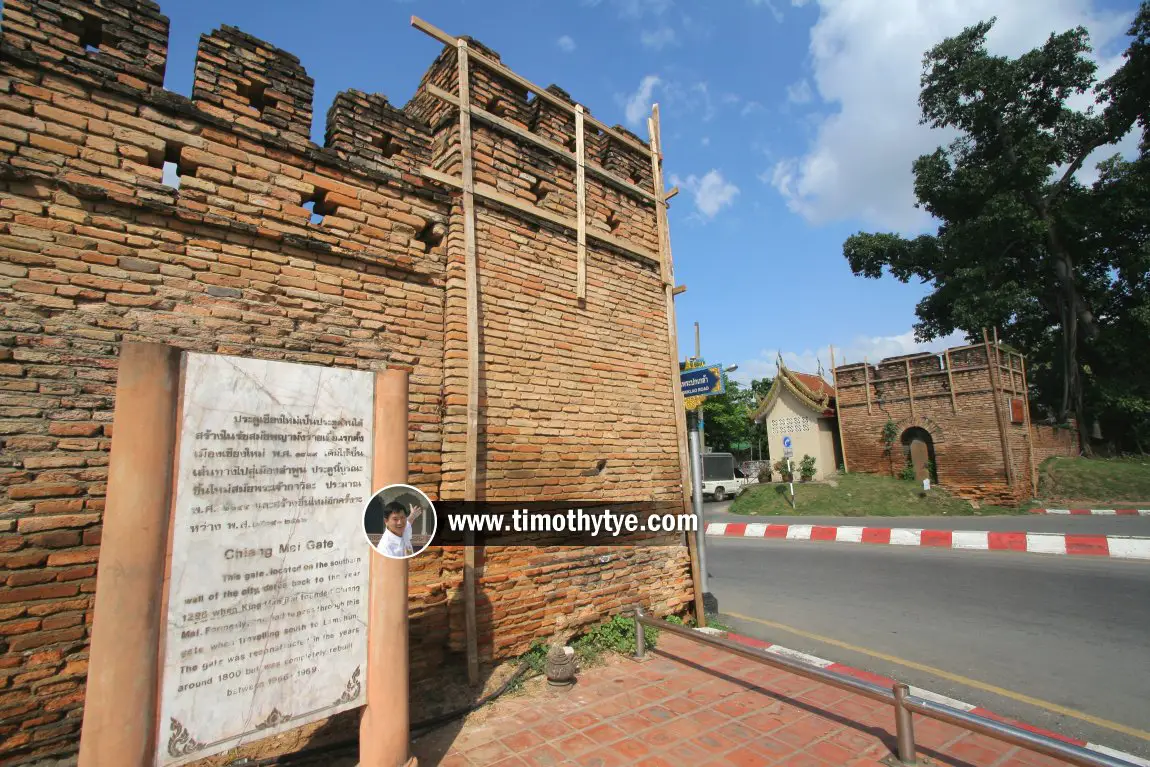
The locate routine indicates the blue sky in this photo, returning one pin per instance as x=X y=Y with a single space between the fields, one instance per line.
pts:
x=788 y=125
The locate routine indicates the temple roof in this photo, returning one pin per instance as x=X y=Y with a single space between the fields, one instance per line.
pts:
x=811 y=390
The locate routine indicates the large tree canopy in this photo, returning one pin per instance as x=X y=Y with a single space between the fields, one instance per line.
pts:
x=1022 y=245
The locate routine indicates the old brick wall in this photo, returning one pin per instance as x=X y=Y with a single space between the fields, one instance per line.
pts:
x=344 y=255
x=1051 y=441
x=964 y=431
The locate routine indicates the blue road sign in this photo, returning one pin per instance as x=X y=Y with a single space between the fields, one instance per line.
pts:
x=787 y=442
x=702 y=382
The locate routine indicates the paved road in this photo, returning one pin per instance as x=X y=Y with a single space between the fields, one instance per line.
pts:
x=1030 y=523
x=1074 y=632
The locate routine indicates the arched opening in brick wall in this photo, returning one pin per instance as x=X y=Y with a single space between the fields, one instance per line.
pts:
x=918 y=451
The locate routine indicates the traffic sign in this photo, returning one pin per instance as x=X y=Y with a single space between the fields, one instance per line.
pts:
x=787 y=452
x=701 y=382
x=787 y=442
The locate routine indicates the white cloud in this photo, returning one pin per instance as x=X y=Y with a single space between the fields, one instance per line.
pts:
x=566 y=43
x=637 y=106
x=800 y=92
x=751 y=107
x=871 y=348
x=706 y=141
x=772 y=7
x=658 y=39
x=867 y=59
x=712 y=192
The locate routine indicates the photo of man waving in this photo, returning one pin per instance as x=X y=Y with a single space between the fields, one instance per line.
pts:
x=396 y=521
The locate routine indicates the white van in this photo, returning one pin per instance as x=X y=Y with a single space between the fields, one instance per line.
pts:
x=722 y=479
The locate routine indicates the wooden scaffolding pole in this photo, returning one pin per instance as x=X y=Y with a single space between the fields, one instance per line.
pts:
x=1029 y=433
x=580 y=207
x=471 y=272
x=866 y=383
x=950 y=383
x=995 y=387
x=667 y=273
x=838 y=410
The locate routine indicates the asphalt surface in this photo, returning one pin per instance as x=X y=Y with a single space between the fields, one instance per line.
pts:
x=1028 y=523
x=1069 y=631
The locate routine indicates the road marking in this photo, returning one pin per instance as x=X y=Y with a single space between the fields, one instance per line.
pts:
x=967 y=681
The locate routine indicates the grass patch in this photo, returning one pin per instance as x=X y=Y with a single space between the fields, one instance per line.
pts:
x=857 y=495
x=1101 y=480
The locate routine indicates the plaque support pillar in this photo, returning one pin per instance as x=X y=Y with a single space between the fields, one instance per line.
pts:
x=123 y=669
x=384 y=729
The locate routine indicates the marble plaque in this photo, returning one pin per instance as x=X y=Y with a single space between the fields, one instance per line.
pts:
x=266 y=624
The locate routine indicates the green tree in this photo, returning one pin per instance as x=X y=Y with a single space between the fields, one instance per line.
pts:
x=1016 y=246
x=727 y=426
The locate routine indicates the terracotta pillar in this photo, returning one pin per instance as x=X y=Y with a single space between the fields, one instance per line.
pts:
x=383 y=730
x=119 y=727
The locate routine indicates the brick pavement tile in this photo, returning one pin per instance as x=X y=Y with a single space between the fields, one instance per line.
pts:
x=832 y=752
x=632 y=748
x=552 y=730
x=662 y=736
x=737 y=732
x=737 y=705
x=652 y=693
x=770 y=748
x=792 y=686
x=805 y=732
x=652 y=674
x=657 y=714
x=632 y=723
x=681 y=705
x=529 y=716
x=854 y=740
x=604 y=757
x=656 y=761
x=803 y=759
x=687 y=753
x=604 y=733
x=580 y=720
x=747 y=757
x=472 y=737
x=487 y=753
x=687 y=727
x=705 y=695
x=543 y=756
x=511 y=761
x=454 y=760
x=934 y=734
x=521 y=741
x=612 y=707
x=576 y=745
x=763 y=722
x=1035 y=759
x=709 y=719
x=714 y=742
x=971 y=749
x=825 y=695
x=504 y=726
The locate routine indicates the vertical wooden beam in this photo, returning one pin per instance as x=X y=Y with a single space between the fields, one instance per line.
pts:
x=471 y=271
x=838 y=410
x=580 y=205
x=995 y=386
x=866 y=382
x=909 y=387
x=1029 y=432
x=950 y=383
x=680 y=415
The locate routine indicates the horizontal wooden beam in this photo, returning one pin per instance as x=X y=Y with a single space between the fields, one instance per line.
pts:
x=523 y=82
x=541 y=142
x=679 y=289
x=673 y=191
x=493 y=195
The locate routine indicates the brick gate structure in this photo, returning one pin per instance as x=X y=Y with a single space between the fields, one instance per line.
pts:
x=966 y=407
x=542 y=356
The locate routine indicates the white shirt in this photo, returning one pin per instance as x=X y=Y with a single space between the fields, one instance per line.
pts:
x=396 y=546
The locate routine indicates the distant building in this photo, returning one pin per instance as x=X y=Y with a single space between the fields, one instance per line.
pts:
x=803 y=407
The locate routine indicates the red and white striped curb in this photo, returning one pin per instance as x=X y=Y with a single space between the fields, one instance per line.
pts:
x=841 y=668
x=1114 y=546
x=1096 y=512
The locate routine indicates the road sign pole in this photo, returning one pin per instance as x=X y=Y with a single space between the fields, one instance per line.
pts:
x=697 y=500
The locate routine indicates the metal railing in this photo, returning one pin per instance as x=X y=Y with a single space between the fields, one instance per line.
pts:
x=905 y=704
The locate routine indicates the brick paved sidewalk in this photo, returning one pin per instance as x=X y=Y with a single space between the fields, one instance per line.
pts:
x=693 y=706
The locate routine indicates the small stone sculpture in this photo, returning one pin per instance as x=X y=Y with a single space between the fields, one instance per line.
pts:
x=560 y=666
